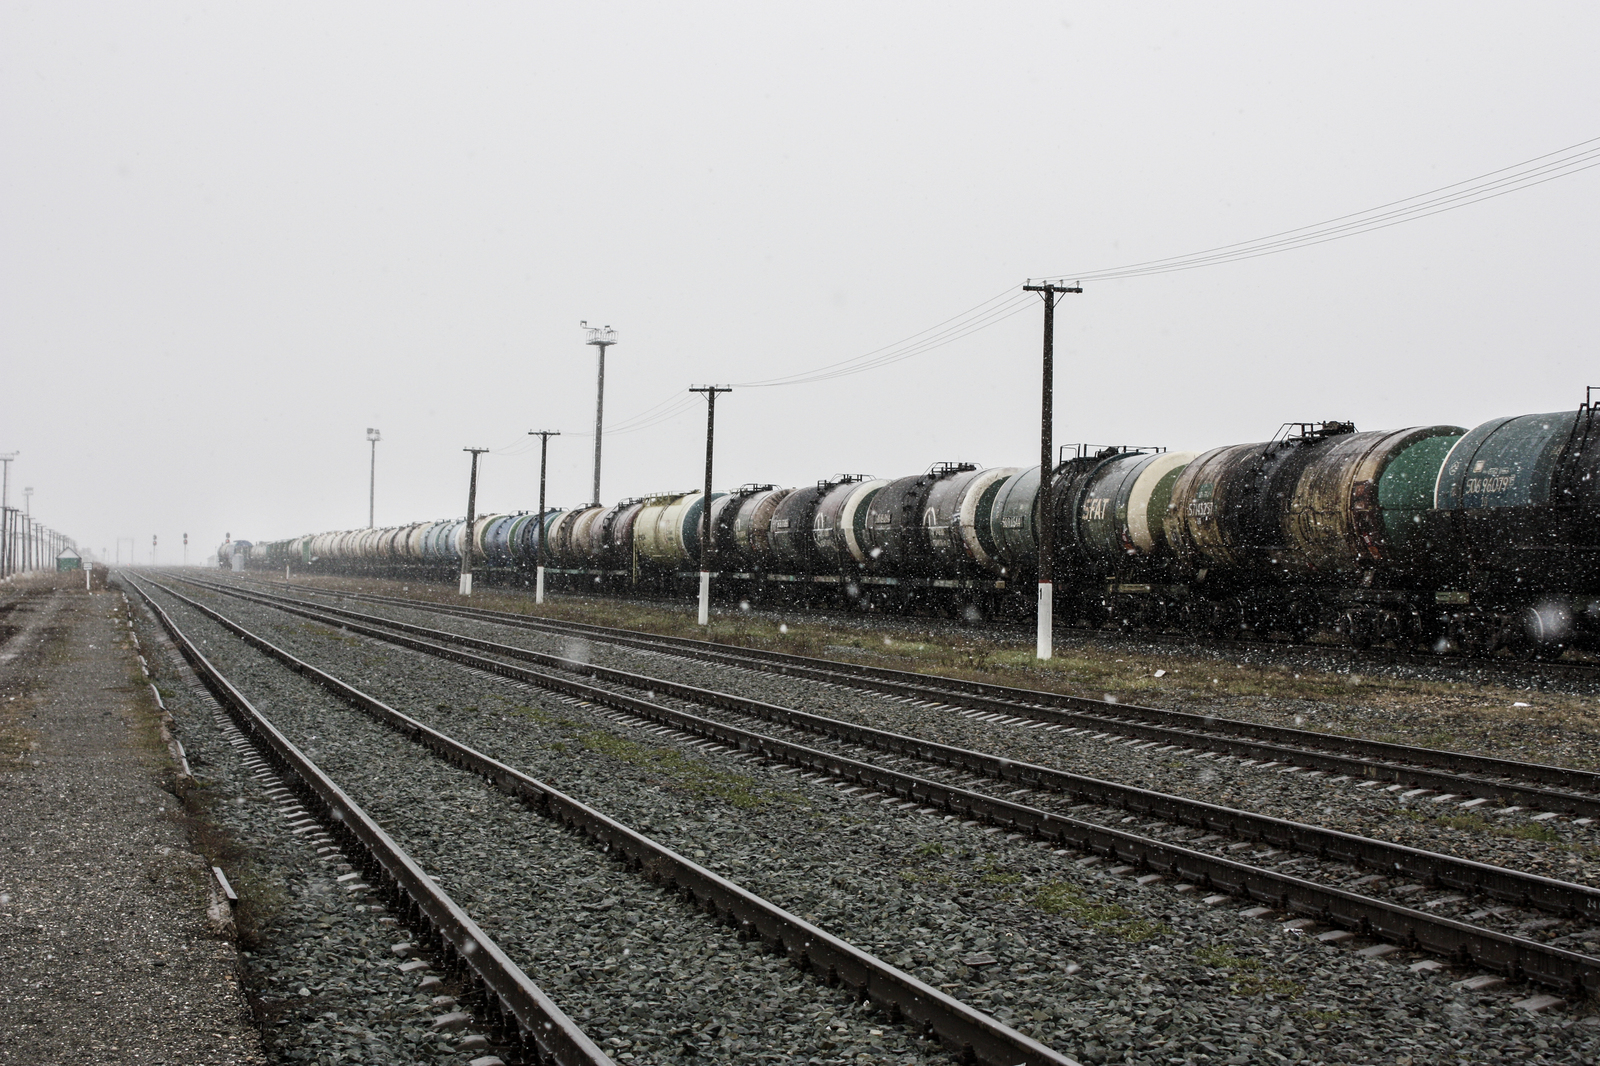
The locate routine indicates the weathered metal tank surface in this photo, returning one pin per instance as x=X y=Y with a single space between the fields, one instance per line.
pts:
x=1095 y=530
x=645 y=523
x=1367 y=499
x=751 y=527
x=1522 y=497
x=790 y=533
x=723 y=511
x=895 y=534
x=659 y=531
x=526 y=543
x=413 y=541
x=480 y=529
x=498 y=538
x=836 y=524
x=957 y=515
x=1013 y=523
x=582 y=548
x=1147 y=499
x=1506 y=462
x=1228 y=506
x=562 y=553
x=618 y=546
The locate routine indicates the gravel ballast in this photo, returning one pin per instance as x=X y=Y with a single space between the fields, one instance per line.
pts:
x=1076 y=948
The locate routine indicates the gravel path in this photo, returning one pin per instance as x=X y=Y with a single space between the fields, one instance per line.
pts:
x=1089 y=962
x=105 y=946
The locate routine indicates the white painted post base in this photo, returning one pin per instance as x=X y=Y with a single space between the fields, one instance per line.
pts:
x=1046 y=619
x=538 y=584
x=286 y=571
x=466 y=583
x=705 y=597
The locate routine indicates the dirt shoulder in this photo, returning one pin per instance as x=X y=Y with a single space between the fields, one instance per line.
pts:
x=105 y=944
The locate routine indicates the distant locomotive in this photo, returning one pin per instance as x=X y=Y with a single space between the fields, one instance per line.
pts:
x=1484 y=539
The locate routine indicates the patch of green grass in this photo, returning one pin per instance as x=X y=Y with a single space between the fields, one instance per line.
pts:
x=541 y=717
x=930 y=848
x=1247 y=977
x=1060 y=897
x=1477 y=823
x=691 y=775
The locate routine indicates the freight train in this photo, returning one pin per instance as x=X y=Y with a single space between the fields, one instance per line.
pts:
x=1476 y=540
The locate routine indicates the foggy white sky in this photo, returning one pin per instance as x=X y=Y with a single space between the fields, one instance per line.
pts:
x=234 y=236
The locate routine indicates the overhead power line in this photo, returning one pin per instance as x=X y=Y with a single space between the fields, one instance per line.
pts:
x=1563 y=163
x=1525 y=175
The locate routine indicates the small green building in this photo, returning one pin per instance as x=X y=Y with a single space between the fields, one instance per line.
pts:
x=69 y=560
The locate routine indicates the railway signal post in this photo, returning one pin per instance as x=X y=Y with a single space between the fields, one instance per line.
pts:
x=466 y=534
x=705 y=501
x=1044 y=640
x=544 y=436
x=602 y=339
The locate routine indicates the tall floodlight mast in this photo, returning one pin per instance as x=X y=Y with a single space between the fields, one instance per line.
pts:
x=602 y=338
x=373 y=437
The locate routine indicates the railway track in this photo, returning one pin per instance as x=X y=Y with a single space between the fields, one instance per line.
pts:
x=1547 y=788
x=1350 y=912
x=531 y=1020
x=968 y=1033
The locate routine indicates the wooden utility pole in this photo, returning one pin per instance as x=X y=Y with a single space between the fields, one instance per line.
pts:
x=472 y=516
x=711 y=392
x=544 y=436
x=1044 y=637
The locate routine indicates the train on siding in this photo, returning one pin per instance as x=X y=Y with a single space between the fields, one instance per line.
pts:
x=1479 y=539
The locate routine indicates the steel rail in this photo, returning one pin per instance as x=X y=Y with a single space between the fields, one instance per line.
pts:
x=553 y=1036
x=1507 y=954
x=966 y=1032
x=1374 y=759
x=1548 y=894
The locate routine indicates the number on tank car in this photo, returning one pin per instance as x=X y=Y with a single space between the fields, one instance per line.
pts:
x=1487 y=486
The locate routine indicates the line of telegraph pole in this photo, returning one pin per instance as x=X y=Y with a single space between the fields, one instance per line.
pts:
x=710 y=392
x=466 y=534
x=544 y=436
x=1044 y=638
